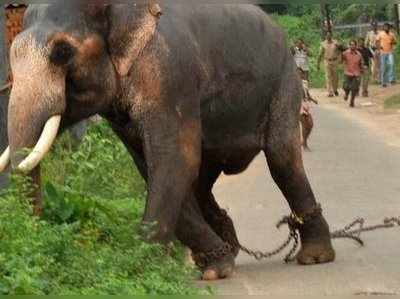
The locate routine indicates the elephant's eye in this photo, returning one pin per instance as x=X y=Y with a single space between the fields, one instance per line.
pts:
x=62 y=53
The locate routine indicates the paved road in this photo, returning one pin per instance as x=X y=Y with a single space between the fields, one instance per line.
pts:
x=353 y=172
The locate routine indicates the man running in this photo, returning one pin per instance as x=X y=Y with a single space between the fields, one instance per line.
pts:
x=368 y=56
x=353 y=69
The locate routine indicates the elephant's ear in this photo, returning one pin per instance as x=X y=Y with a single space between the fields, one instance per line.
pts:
x=131 y=27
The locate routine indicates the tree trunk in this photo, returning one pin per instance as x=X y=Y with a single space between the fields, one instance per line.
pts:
x=396 y=18
x=3 y=97
x=322 y=8
x=328 y=17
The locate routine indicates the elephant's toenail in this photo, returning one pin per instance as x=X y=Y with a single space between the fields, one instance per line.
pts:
x=210 y=275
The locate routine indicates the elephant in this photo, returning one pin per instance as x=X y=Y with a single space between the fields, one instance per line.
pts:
x=192 y=91
x=77 y=132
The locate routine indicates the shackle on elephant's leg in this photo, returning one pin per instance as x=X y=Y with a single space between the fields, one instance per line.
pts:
x=5 y=159
x=43 y=145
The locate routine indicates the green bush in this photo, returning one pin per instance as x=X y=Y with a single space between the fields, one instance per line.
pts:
x=305 y=27
x=87 y=240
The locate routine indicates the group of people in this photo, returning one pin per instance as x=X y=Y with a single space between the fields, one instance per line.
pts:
x=375 y=52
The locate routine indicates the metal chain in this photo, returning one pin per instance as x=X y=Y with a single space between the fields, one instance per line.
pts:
x=346 y=232
x=355 y=234
x=203 y=259
x=293 y=235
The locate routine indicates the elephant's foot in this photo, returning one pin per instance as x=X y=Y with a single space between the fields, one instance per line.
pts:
x=219 y=270
x=223 y=226
x=316 y=245
x=315 y=253
x=216 y=264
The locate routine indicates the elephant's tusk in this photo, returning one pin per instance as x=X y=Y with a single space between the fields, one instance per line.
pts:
x=4 y=159
x=43 y=145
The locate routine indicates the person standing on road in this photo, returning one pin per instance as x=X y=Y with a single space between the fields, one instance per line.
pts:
x=386 y=42
x=353 y=69
x=306 y=119
x=300 y=53
x=330 y=52
x=372 y=44
x=368 y=56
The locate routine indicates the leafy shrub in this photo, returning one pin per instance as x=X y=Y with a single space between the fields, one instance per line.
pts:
x=306 y=28
x=87 y=241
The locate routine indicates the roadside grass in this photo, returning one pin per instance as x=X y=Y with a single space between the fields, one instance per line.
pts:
x=392 y=102
x=88 y=241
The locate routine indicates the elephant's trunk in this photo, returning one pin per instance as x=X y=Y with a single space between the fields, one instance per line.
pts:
x=29 y=127
x=37 y=101
x=43 y=145
x=41 y=148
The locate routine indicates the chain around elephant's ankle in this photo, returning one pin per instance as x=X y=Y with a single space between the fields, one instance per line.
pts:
x=205 y=259
x=297 y=220
x=225 y=229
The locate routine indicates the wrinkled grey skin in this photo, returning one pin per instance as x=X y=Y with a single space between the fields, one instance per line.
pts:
x=3 y=97
x=78 y=131
x=200 y=91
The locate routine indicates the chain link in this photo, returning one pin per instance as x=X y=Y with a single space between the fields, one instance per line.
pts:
x=355 y=234
x=203 y=259
x=293 y=235
x=293 y=223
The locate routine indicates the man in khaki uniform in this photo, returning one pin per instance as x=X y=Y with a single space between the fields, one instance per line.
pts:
x=371 y=42
x=330 y=52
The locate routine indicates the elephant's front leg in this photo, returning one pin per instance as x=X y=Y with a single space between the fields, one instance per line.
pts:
x=172 y=148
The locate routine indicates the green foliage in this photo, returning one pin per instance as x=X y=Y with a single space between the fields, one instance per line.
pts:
x=305 y=28
x=353 y=13
x=101 y=162
x=343 y=13
x=87 y=241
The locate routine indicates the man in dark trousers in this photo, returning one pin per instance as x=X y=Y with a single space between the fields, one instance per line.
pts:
x=353 y=69
x=367 y=55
